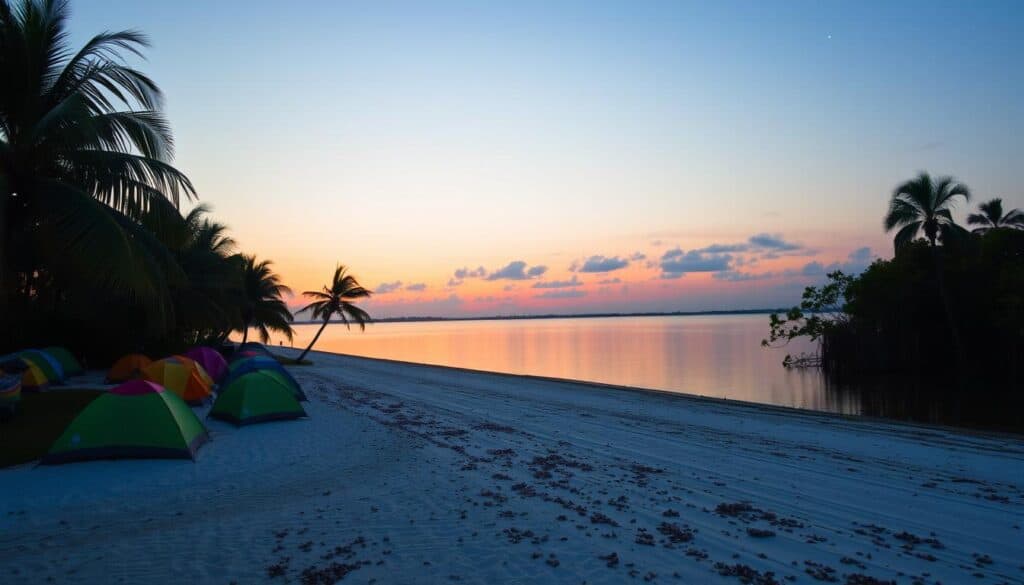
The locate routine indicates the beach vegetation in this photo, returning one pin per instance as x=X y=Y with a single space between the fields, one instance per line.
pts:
x=948 y=305
x=990 y=216
x=263 y=307
x=96 y=252
x=336 y=299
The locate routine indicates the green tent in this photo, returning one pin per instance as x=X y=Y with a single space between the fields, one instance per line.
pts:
x=257 y=397
x=66 y=359
x=137 y=419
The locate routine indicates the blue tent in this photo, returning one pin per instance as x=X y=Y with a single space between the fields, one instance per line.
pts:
x=248 y=365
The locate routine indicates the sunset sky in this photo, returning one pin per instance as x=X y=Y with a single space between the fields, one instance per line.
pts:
x=482 y=158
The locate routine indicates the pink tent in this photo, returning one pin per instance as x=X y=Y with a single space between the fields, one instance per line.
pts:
x=211 y=360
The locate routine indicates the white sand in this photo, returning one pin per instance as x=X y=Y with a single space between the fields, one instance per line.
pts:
x=451 y=476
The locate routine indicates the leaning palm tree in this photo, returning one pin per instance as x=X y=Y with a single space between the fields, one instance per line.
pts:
x=84 y=150
x=262 y=305
x=336 y=299
x=924 y=204
x=991 y=217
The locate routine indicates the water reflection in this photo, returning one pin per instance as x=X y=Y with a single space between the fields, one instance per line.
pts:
x=717 y=356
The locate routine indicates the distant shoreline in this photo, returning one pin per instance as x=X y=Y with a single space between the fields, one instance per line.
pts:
x=564 y=316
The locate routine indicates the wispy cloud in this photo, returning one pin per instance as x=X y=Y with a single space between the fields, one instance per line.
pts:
x=517 y=270
x=559 y=283
x=387 y=287
x=464 y=273
x=562 y=294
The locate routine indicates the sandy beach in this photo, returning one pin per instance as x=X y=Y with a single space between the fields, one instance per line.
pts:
x=421 y=474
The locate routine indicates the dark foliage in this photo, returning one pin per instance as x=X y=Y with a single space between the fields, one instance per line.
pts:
x=95 y=254
x=890 y=319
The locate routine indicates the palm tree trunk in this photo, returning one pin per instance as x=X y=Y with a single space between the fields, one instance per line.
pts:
x=315 y=337
x=245 y=333
x=947 y=305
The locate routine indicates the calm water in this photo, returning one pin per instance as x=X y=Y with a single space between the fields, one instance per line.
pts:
x=713 y=355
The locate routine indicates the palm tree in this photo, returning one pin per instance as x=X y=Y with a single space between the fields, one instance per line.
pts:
x=923 y=204
x=84 y=151
x=205 y=281
x=992 y=218
x=262 y=305
x=336 y=299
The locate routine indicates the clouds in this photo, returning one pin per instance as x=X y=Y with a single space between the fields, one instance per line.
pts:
x=725 y=248
x=608 y=281
x=736 y=276
x=560 y=283
x=464 y=273
x=387 y=287
x=461 y=274
x=861 y=255
x=517 y=270
x=721 y=259
x=773 y=242
x=390 y=287
x=603 y=264
x=675 y=263
x=856 y=262
x=561 y=294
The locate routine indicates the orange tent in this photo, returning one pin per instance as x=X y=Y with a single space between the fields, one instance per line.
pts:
x=182 y=376
x=128 y=367
x=198 y=367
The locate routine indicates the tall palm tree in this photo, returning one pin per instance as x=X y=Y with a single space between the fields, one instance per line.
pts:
x=991 y=217
x=924 y=204
x=206 y=279
x=84 y=150
x=337 y=299
x=262 y=305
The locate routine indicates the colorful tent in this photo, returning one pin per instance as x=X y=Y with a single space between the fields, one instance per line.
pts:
x=254 y=346
x=67 y=360
x=10 y=392
x=137 y=419
x=211 y=360
x=45 y=362
x=33 y=378
x=243 y=355
x=180 y=375
x=128 y=367
x=257 y=397
x=260 y=363
x=198 y=367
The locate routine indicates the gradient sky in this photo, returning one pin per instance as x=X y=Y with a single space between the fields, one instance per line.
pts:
x=635 y=155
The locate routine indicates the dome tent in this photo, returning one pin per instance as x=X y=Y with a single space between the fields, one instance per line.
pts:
x=128 y=367
x=257 y=397
x=66 y=359
x=138 y=419
x=181 y=376
x=211 y=360
x=257 y=364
